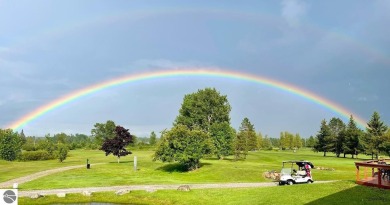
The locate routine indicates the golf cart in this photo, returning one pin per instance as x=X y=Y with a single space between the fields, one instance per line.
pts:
x=294 y=172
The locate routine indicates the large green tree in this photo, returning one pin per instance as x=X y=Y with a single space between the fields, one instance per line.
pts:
x=103 y=131
x=375 y=135
x=202 y=109
x=183 y=145
x=10 y=145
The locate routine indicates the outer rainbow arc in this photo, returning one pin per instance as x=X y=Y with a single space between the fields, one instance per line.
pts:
x=186 y=72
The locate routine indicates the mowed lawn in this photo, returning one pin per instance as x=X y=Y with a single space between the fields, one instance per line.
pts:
x=111 y=173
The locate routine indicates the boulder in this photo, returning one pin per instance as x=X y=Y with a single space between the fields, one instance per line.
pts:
x=36 y=196
x=122 y=192
x=184 y=188
x=61 y=195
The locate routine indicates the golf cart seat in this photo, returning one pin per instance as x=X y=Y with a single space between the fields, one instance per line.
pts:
x=301 y=173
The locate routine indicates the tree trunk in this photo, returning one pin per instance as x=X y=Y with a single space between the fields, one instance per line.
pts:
x=324 y=154
x=344 y=155
x=118 y=159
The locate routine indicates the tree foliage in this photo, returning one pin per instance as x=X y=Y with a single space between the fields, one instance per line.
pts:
x=353 y=135
x=324 y=139
x=10 y=145
x=183 y=145
x=103 y=131
x=337 y=136
x=62 y=152
x=246 y=139
x=152 y=139
x=202 y=109
x=222 y=136
x=117 y=144
x=375 y=138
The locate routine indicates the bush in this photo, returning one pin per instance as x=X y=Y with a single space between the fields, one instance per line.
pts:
x=62 y=152
x=36 y=155
x=29 y=147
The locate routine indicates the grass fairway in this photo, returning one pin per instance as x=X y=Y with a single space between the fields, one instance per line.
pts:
x=343 y=192
x=111 y=173
x=212 y=170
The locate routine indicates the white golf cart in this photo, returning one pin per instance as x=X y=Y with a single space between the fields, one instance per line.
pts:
x=294 y=172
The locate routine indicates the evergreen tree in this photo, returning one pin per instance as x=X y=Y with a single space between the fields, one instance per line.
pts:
x=375 y=135
x=337 y=138
x=246 y=139
x=324 y=139
x=310 y=142
x=353 y=136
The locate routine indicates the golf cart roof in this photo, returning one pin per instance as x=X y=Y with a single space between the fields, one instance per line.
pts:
x=300 y=163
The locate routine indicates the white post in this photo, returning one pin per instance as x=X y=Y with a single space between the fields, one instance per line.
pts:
x=135 y=163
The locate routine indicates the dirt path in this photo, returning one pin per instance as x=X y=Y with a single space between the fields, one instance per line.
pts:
x=37 y=175
x=151 y=188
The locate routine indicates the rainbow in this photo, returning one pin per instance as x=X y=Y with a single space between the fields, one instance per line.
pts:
x=208 y=72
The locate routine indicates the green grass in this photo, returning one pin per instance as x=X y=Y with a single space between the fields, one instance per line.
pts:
x=343 y=192
x=149 y=172
x=212 y=171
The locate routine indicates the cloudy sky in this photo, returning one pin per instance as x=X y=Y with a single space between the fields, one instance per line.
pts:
x=339 y=50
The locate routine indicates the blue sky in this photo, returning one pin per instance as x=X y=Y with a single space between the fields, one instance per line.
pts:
x=336 y=49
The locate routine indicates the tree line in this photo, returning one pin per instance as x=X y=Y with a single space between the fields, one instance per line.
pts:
x=337 y=137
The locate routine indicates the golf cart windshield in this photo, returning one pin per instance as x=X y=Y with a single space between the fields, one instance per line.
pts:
x=285 y=171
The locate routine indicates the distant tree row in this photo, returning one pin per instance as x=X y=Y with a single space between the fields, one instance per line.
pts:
x=338 y=138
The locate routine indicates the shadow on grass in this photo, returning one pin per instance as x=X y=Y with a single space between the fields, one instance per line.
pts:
x=356 y=195
x=176 y=167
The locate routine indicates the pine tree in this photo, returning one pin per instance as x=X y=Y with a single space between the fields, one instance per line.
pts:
x=337 y=130
x=375 y=135
x=324 y=140
x=246 y=139
x=353 y=136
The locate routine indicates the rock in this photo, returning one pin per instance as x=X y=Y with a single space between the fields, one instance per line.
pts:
x=87 y=193
x=184 y=188
x=150 y=190
x=122 y=192
x=61 y=195
x=36 y=196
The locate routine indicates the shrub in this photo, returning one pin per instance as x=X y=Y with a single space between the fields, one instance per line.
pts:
x=62 y=152
x=36 y=155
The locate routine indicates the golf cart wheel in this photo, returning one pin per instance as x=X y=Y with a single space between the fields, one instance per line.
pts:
x=309 y=181
x=290 y=182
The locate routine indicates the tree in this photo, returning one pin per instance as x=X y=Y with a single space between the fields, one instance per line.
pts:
x=246 y=139
x=62 y=152
x=260 y=142
x=117 y=144
x=184 y=145
x=222 y=135
x=353 y=136
x=103 y=131
x=202 y=109
x=324 y=140
x=267 y=143
x=10 y=145
x=297 y=141
x=310 y=142
x=375 y=135
x=337 y=128
x=152 y=139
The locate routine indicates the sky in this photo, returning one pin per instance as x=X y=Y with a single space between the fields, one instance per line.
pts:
x=339 y=50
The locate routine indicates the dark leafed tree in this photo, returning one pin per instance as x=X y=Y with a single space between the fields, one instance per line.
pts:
x=324 y=140
x=222 y=135
x=202 y=109
x=117 y=144
x=337 y=128
x=183 y=145
x=375 y=135
x=353 y=135
x=103 y=131
x=152 y=138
